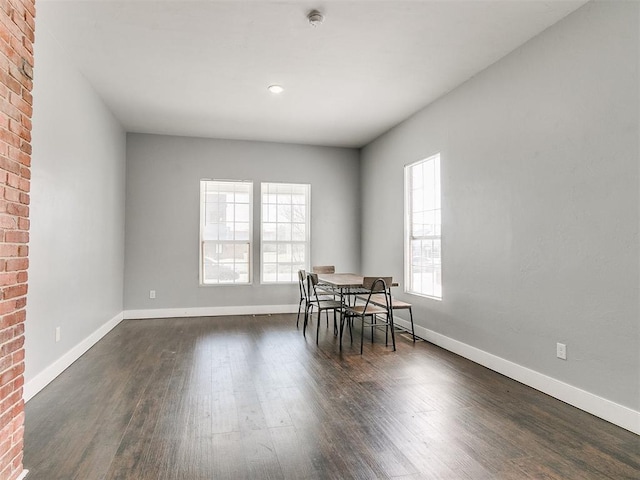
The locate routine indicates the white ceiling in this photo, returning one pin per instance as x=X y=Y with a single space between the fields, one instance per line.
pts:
x=201 y=68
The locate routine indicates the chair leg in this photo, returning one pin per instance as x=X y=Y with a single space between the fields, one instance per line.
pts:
x=393 y=335
x=308 y=309
x=299 y=309
x=373 y=321
x=318 y=326
x=386 y=333
x=413 y=332
x=362 y=335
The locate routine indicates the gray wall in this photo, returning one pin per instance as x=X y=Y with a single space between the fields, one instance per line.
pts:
x=162 y=224
x=76 y=245
x=540 y=204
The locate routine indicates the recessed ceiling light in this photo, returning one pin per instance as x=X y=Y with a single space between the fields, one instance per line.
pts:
x=275 y=88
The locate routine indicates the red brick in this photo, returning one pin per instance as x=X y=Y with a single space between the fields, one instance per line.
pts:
x=17 y=209
x=15 y=264
x=11 y=194
x=5 y=135
x=8 y=221
x=10 y=82
x=15 y=126
x=9 y=250
x=26 y=146
x=18 y=356
x=13 y=291
x=16 y=236
x=8 y=278
x=9 y=164
x=24 y=107
x=5 y=308
x=6 y=377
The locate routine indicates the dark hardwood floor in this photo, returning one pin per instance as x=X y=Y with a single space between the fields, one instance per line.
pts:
x=247 y=397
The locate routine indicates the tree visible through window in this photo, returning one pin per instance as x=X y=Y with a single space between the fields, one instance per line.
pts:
x=225 y=232
x=423 y=261
x=285 y=231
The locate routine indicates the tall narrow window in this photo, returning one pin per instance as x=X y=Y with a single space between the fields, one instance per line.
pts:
x=285 y=231
x=225 y=232
x=423 y=261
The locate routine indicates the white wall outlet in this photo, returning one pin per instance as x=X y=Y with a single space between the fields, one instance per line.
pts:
x=57 y=334
x=561 y=351
x=152 y=294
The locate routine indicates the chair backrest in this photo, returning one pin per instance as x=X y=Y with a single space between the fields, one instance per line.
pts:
x=302 y=276
x=324 y=269
x=377 y=284
x=312 y=278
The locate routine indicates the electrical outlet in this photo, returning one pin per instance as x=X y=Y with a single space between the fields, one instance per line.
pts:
x=57 y=334
x=561 y=351
x=152 y=294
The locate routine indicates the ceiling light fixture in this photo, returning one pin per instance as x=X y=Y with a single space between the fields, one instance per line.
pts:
x=315 y=18
x=275 y=89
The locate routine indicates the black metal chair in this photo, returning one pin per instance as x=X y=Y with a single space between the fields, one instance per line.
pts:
x=323 y=288
x=374 y=315
x=315 y=300
x=304 y=298
x=396 y=305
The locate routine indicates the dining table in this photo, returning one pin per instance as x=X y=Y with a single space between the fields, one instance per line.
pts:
x=344 y=282
x=347 y=286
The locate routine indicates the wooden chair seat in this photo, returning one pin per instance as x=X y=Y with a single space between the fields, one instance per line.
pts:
x=367 y=309
x=378 y=299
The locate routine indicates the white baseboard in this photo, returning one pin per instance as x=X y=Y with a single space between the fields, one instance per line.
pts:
x=600 y=407
x=41 y=380
x=209 y=311
x=23 y=475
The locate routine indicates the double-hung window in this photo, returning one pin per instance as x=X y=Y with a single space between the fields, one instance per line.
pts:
x=285 y=231
x=423 y=260
x=225 y=232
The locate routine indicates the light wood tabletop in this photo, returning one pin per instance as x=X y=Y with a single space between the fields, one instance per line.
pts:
x=341 y=280
x=344 y=280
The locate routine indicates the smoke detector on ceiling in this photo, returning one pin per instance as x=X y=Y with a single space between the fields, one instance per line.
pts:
x=315 y=18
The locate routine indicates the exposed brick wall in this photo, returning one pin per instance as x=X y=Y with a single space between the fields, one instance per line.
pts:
x=17 y=29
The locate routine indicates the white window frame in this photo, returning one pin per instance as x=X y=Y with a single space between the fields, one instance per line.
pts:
x=208 y=232
x=276 y=229
x=423 y=230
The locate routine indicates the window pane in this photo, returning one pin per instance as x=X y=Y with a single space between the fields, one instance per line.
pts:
x=284 y=213
x=225 y=232
x=269 y=272
x=423 y=264
x=298 y=213
x=285 y=227
x=269 y=231
x=299 y=232
x=284 y=232
x=297 y=252
x=242 y=213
